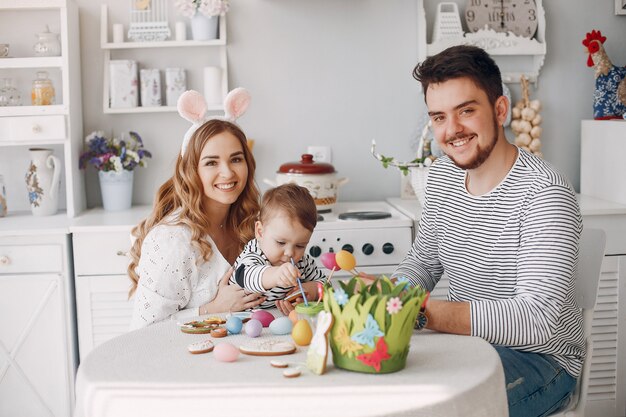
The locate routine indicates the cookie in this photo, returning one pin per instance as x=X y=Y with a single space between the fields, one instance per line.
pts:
x=279 y=364
x=292 y=373
x=219 y=332
x=268 y=348
x=201 y=347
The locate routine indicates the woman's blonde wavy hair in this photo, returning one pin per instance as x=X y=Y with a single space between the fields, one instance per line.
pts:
x=184 y=192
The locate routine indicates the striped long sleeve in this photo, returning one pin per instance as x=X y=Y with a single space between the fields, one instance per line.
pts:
x=252 y=263
x=511 y=253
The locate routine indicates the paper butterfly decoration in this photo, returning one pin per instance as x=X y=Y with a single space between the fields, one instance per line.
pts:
x=192 y=106
x=374 y=358
x=318 y=349
x=367 y=335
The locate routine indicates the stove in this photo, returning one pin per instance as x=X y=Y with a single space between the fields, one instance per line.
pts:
x=378 y=235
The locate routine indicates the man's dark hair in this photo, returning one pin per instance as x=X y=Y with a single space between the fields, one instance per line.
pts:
x=461 y=61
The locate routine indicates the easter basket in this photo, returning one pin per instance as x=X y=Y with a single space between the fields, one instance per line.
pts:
x=373 y=324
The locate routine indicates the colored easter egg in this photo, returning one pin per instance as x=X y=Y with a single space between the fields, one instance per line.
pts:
x=329 y=261
x=265 y=317
x=293 y=316
x=281 y=325
x=302 y=333
x=225 y=352
x=345 y=260
x=234 y=325
x=254 y=328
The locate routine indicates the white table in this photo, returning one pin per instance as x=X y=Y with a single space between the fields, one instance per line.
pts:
x=149 y=372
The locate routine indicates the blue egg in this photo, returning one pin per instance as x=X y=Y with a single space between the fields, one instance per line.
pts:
x=254 y=328
x=281 y=325
x=234 y=325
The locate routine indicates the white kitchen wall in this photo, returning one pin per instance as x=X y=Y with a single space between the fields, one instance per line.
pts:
x=338 y=73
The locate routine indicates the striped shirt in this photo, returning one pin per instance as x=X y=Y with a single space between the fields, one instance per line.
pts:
x=510 y=253
x=252 y=263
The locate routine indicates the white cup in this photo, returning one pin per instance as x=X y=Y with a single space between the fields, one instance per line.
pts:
x=4 y=50
x=118 y=33
x=213 y=85
x=181 y=31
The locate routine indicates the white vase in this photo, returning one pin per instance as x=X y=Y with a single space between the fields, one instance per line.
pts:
x=42 y=182
x=117 y=189
x=419 y=178
x=204 y=28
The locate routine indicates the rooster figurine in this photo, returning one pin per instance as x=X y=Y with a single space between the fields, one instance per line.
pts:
x=609 y=99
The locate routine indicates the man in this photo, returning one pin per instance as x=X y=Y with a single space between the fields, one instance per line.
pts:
x=504 y=226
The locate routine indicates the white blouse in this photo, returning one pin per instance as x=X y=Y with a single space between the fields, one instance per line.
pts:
x=174 y=280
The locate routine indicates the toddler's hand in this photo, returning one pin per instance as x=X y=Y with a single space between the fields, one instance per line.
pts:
x=286 y=275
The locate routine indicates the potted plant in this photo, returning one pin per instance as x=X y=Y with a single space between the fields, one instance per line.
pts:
x=115 y=160
x=418 y=167
x=204 y=15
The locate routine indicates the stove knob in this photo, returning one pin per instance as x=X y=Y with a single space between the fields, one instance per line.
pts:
x=315 y=251
x=388 y=248
x=348 y=247
x=368 y=249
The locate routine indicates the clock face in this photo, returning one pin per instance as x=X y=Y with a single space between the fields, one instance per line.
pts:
x=517 y=16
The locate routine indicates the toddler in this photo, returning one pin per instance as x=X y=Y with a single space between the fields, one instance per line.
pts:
x=286 y=222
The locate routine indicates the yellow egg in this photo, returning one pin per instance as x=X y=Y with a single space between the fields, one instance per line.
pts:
x=345 y=260
x=302 y=333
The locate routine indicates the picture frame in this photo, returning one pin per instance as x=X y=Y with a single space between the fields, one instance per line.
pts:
x=620 y=7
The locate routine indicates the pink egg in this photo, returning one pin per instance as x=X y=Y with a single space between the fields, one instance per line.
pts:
x=253 y=328
x=225 y=352
x=263 y=316
x=328 y=259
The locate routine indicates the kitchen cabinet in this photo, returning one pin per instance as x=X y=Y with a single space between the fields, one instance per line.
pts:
x=165 y=55
x=607 y=384
x=57 y=126
x=101 y=241
x=515 y=55
x=38 y=358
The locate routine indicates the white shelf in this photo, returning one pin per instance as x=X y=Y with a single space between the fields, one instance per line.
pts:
x=67 y=82
x=154 y=109
x=110 y=48
x=33 y=110
x=501 y=46
x=164 y=44
x=32 y=62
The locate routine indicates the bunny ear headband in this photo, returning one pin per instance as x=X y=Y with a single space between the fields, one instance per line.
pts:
x=192 y=106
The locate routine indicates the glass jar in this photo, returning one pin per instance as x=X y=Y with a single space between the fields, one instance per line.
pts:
x=48 y=44
x=43 y=91
x=9 y=95
x=309 y=313
x=3 y=198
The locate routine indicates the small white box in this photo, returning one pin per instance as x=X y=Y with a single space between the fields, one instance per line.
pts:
x=602 y=151
x=175 y=85
x=123 y=87
x=150 y=87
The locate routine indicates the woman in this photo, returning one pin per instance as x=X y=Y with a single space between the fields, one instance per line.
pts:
x=202 y=217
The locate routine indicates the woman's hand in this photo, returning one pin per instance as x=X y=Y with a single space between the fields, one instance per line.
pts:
x=231 y=298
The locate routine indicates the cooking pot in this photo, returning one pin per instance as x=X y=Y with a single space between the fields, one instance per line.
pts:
x=318 y=177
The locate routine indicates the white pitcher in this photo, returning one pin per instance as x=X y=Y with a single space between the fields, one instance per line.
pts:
x=42 y=181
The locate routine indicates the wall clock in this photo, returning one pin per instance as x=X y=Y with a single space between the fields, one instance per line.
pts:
x=517 y=16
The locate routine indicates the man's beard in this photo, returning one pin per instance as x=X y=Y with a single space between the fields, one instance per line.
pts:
x=483 y=153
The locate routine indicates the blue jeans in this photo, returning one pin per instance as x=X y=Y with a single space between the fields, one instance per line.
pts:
x=536 y=385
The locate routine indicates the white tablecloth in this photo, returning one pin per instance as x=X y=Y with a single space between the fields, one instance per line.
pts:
x=149 y=372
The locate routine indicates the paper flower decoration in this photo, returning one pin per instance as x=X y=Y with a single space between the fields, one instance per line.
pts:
x=367 y=335
x=394 y=305
x=347 y=346
x=375 y=358
x=341 y=297
x=403 y=280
